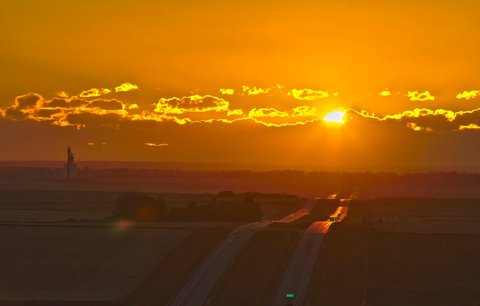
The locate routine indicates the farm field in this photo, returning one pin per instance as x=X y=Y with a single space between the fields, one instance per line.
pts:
x=55 y=205
x=20 y=206
x=401 y=252
x=79 y=263
x=403 y=269
x=58 y=248
x=460 y=216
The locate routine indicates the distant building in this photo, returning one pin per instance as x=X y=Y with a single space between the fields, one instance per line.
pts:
x=40 y=173
x=70 y=168
x=69 y=171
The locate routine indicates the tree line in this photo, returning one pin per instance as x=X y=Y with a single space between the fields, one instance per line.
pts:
x=223 y=207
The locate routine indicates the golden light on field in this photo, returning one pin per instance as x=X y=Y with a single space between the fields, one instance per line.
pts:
x=335 y=116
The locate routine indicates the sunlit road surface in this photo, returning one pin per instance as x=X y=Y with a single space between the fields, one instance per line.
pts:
x=198 y=288
x=299 y=272
x=305 y=210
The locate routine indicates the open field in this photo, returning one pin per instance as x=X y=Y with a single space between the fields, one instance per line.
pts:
x=435 y=269
x=55 y=205
x=20 y=206
x=427 y=216
x=79 y=263
x=253 y=278
x=59 y=249
x=418 y=252
x=417 y=215
x=403 y=269
x=118 y=177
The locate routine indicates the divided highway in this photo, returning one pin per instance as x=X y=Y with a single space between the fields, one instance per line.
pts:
x=198 y=288
x=294 y=286
x=305 y=210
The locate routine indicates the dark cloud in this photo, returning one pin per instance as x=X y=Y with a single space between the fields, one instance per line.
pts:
x=47 y=113
x=195 y=103
x=106 y=104
x=14 y=114
x=468 y=118
x=67 y=103
x=424 y=119
x=430 y=123
x=108 y=120
x=28 y=100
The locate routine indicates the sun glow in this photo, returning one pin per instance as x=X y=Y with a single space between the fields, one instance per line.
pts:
x=335 y=117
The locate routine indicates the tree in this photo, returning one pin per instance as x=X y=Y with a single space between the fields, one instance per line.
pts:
x=252 y=209
x=226 y=194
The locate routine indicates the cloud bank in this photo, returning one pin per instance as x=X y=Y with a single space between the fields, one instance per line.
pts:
x=90 y=107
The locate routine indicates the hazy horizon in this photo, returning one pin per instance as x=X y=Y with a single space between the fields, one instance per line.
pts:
x=197 y=166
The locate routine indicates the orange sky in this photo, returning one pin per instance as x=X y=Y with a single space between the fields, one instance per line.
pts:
x=246 y=83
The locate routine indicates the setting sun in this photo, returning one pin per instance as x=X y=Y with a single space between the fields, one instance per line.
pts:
x=256 y=79
x=335 y=117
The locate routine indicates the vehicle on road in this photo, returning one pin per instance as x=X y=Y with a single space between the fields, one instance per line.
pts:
x=290 y=297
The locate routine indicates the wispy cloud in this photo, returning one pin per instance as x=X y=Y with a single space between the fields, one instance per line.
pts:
x=235 y=112
x=471 y=126
x=416 y=113
x=304 y=111
x=191 y=104
x=385 y=93
x=414 y=126
x=95 y=144
x=254 y=91
x=62 y=94
x=226 y=91
x=308 y=94
x=420 y=96
x=266 y=112
x=467 y=95
x=127 y=86
x=152 y=144
x=94 y=92
x=98 y=92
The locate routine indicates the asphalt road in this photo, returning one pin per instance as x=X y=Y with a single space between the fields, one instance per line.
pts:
x=198 y=288
x=305 y=210
x=299 y=272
